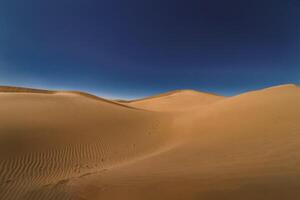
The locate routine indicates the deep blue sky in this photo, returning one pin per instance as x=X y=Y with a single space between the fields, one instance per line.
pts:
x=133 y=48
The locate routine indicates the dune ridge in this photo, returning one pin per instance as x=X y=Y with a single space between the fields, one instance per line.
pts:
x=178 y=100
x=12 y=89
x=167 y=94
x=180 y=145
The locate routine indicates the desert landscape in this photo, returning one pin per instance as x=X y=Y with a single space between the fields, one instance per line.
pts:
x=180 y=145
x=149 y=100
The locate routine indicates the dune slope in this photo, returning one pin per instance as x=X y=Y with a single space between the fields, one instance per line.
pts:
x=47 y=139
x=244 y=147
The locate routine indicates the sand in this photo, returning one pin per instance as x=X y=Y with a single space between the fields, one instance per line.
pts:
x=179 y=145
x=178 y=100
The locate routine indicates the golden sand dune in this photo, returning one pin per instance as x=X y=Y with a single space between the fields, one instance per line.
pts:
x=46 y=139
x=24 y=90
x=198 y=146
x=175 y=101
x=11 y=89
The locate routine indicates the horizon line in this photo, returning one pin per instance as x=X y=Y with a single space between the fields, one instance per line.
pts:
x=51 y=91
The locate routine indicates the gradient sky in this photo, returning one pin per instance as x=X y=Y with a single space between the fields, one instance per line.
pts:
x=133 y=48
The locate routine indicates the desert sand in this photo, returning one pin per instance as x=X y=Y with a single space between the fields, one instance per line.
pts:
x=179 y=145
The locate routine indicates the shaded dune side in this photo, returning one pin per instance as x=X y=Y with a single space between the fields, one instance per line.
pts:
x=45 y=140
x=178 y=100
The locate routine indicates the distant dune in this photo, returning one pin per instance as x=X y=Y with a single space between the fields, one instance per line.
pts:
x=11 y=89
x=24 y=90
x=175 y=101
x=179 y=145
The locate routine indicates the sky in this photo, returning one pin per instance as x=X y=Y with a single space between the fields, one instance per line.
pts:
x=135 y=48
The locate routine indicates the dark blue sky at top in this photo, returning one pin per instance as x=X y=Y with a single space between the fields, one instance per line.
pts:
x=133 y=48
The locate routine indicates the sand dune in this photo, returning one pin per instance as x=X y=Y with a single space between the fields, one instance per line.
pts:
x=178 y=100
x=49 y=138
x=11 y=89
x=180 y=145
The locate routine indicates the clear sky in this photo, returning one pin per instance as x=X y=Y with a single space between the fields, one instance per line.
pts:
x=134 y=48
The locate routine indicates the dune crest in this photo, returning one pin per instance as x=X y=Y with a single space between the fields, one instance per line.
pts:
x=178 y=100
x=11 y=89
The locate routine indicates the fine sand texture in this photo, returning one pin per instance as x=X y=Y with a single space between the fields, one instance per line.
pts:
x=179 y=145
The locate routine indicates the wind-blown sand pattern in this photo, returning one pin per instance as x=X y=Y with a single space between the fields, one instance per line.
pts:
x=180 y=145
